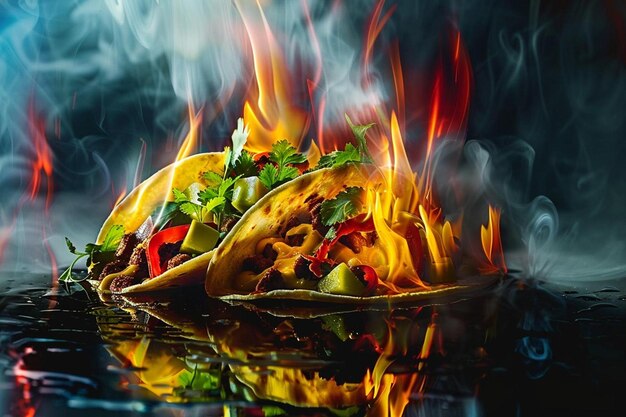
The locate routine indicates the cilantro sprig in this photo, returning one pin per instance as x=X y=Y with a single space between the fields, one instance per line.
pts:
x=284 y=156
x=344 y=206
x=109 y=244
x=351 y=153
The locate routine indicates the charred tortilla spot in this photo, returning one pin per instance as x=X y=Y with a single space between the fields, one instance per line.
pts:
x=311 y=197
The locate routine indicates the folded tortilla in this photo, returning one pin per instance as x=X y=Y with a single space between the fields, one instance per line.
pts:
x=151 y=194
x=268 y=218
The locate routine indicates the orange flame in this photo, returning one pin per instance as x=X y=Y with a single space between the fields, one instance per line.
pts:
x=268 y=110
x=191 y=141
x=492 y=244
x=42 y=163
x=120 y=197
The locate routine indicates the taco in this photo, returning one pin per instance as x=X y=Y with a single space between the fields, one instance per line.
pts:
x=286 y=249
x=163 y=234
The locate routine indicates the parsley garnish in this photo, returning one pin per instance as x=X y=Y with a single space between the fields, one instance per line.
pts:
x=109 y=244
x=283 y=155
x=345 y=205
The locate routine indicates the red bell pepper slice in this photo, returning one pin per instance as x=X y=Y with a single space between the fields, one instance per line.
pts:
x=357 y=224
x=368 y=276
x=349 y=226
x=169 y=235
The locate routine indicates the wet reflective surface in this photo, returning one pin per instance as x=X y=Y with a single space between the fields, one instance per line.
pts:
x=515 y=349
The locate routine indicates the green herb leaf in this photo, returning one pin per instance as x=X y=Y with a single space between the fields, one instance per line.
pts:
x=359 y=134
x=179 y=196
x=283 y=154
x=67 y=274
x=269 y=176
x=195 y=211
x=326 y=161
x=215 y=204
x=70 y=246
x=212 y=177
x=112 y=238
x=111 y=241
x=245 y=165
x=207 y=194
x=225 y=188
x=345 y=205
x=92 y=248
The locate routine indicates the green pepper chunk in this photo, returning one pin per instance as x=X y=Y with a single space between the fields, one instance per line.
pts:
x=200 y=238
x=246 y=192
x=341 y=281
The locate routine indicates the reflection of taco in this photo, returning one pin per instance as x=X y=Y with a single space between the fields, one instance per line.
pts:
x=272 y=358
x=284 y=248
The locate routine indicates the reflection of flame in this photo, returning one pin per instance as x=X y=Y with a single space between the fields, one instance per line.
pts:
x=492 y=244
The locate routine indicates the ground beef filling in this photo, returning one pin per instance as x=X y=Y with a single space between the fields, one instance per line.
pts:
x=112 y=268
x=271 y=280
x=257 y=263
x=357 y=240
x=167 y=251
x=126 y=247
x=123 y=281
x=302 y=268
x=177 y=260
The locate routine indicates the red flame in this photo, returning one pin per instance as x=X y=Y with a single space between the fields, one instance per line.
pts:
x=42 y=162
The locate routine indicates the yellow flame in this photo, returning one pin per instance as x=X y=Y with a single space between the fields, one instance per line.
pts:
x=190 y=143
x=268 y=109
x=492 y=245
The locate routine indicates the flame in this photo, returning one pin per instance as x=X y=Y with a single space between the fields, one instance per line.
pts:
x=418 y=243
x=268 y=109
x=190 y=143
x=492 y=244
x=41 y=165
x=392 y=392
x=120 y=196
